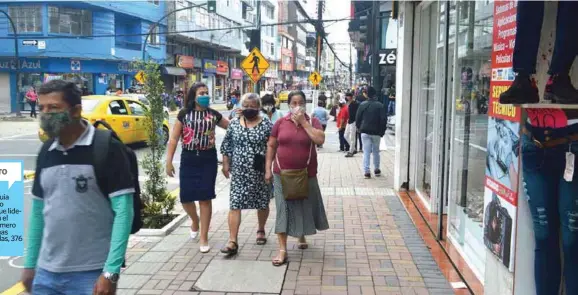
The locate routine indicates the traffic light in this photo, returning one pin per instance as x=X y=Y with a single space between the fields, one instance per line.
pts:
x=253 y=40
x=212 y=6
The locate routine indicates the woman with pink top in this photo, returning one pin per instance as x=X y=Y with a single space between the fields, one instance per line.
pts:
x=32 y=98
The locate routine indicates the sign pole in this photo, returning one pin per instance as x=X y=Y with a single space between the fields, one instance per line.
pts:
x=256 y=86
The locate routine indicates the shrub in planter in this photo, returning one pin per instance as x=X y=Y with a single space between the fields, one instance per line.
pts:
x=173 y=106
x=158 y=202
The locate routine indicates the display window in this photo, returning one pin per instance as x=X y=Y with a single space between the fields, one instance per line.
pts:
x=471 y=48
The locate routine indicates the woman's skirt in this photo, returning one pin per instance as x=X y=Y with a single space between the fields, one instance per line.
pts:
x=197 y=175
x=303 y=217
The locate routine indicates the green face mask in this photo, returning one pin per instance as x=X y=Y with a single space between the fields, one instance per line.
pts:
x=52 y=123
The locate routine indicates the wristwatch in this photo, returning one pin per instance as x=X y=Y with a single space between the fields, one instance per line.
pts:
x=112 y=277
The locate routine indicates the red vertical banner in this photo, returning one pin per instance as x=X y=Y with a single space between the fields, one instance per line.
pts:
x=503 y=163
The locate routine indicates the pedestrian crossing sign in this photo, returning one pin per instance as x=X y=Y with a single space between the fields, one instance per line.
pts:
x=140 y=77
x=315 y=78
x=255 y=65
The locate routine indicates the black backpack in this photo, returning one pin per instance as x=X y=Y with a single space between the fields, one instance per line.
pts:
x=100 y=146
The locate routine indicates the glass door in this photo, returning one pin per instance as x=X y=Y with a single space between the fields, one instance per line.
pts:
x=426 y=45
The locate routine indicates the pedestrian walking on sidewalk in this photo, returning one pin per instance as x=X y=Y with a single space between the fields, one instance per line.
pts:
x=244 y=149
x=351 y=133
x=80 y=221
x=32 y=99
x=342 y=118
x=320 y=113
x=371 y=122
x=292 y=168
x=195 y=128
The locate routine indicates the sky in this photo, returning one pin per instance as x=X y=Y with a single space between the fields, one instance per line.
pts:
x=337 y=31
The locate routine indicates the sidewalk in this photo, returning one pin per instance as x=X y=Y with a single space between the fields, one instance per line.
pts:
x=372 y=246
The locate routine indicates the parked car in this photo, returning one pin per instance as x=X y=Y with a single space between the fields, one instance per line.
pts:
x=125 y=115
x=142 y=98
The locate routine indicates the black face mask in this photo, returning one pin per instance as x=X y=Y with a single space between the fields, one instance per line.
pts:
x=250 y=113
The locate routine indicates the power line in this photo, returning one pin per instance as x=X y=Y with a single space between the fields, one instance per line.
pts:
x=302 y=10
x=176 y=32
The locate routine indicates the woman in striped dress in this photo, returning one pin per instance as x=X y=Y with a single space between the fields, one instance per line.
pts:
x=195 y=128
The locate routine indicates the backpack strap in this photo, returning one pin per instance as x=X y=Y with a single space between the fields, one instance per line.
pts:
x=100 y=148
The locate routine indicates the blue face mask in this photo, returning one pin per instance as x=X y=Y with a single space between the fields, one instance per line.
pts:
x=204 y=101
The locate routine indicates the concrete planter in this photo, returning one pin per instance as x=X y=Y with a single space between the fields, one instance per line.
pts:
x=166 y=230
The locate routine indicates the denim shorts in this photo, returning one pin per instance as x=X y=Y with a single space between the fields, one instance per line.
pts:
x=64 y=283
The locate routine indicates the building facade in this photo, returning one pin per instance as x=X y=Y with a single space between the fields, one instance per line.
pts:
x=91 y=43
x=211 y=57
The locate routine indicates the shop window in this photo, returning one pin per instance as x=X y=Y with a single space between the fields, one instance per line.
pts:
x=471 y=85
x=426 y=92
x=70 y=21
x=136 y=108
x=272 y=48
x=27 y=18
x=117 y=107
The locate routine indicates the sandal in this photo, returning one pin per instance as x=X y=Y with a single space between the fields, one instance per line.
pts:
x=229 y=250
x=263 y=240
x=277 y=262
x=302 y=245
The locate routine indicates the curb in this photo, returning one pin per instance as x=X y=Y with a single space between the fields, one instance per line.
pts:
x=167 y=229
x=17 y=289
x=28 y=175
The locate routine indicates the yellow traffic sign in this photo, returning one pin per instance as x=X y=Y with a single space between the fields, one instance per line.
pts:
x=315 y=78
x=255 y=65
x=140 y=77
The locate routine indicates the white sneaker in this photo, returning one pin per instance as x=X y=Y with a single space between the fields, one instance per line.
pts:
x=194 y=234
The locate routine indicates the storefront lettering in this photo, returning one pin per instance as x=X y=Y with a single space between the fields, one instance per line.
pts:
x=127 y=67
x=503 y=109
x=24 y=64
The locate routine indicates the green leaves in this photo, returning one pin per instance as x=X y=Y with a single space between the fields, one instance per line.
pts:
x=157 y=201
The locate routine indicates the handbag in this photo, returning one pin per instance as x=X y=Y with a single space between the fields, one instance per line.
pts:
x=295 y=182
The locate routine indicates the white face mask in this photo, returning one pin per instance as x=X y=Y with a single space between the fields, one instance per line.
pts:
x=268 y=108
x=295 y=110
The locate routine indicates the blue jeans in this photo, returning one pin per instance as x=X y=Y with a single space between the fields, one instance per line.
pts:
x=554 y=207
x=371 y=144
x=65 y=283
x=530 y=15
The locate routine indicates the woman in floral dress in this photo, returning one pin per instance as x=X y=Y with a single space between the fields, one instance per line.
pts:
x=244 y=149
x=195 y=128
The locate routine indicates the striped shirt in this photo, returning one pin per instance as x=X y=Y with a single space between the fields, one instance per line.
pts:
x=199 y=128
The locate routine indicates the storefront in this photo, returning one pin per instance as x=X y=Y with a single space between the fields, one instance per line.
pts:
x=209 y=76
x=222 y=80
x=460 y=149
x=236 y=79
x=92 y=76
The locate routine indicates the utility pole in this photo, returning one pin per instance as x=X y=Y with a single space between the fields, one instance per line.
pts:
x=256 y=86
x=350 y=65
x=374 y=36
x=319 y=35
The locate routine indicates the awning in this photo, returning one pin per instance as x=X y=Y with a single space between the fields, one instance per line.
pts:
x=173 y=71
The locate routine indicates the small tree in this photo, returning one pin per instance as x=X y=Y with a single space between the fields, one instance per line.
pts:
x=157 y=201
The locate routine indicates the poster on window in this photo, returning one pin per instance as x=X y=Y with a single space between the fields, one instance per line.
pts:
x=503 y=143
x=499 y=227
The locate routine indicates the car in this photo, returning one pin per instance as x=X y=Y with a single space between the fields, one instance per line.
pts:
x=126 y=116
x=283 y=96
x=142 y=98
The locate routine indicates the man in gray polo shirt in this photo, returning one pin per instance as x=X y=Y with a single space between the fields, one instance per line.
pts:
x=79 y=222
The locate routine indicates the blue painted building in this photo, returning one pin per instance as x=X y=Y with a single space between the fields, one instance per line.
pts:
x=89 y=42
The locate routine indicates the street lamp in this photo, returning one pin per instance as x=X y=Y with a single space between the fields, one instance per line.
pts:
x=17 y=57
x=144 y=46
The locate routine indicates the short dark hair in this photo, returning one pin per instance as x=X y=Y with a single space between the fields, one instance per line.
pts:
x=295 y=93
x=268 y=99
x=371 y=91
x=350 y=94
x=70 y=92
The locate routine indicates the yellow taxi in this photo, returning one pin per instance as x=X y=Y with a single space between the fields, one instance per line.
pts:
x=125 y=115
x=283 y=96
